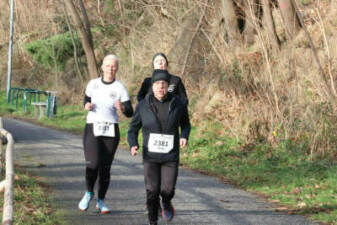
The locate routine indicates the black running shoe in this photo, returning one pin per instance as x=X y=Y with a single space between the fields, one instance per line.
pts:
x=168 y=211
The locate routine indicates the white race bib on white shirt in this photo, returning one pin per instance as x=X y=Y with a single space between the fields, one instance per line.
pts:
x=160 y=143
x=106 y=129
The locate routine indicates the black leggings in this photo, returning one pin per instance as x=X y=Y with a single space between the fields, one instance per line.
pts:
x=99 y=153
x=160 y=179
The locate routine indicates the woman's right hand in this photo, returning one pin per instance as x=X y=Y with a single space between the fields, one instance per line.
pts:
x=134 y=150
x=88 y=106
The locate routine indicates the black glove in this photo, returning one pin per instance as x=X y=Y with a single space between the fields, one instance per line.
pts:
x=4 y=140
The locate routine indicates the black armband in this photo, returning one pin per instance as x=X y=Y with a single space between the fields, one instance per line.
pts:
x=128 y=110
x=86 y=99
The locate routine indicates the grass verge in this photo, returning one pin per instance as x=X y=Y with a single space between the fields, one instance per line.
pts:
x=31 y=202
x=285 y=175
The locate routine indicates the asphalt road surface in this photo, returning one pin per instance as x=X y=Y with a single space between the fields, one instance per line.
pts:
x=58 y=158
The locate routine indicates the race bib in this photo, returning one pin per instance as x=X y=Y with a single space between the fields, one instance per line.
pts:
x=106 y=129
x=160 y=143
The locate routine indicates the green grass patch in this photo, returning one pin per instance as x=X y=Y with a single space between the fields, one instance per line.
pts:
x=284 y=174
x=70 y=118
x=31 y=203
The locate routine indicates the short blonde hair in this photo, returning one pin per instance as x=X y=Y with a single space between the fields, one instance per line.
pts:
x=110 y=57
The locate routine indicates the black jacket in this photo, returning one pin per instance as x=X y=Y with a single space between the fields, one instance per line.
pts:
x=146 y=118
x=176 y=87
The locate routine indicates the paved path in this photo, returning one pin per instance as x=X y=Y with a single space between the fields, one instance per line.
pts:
x=58 y=157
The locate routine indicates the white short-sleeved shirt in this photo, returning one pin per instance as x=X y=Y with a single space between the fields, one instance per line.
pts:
x=103 y=97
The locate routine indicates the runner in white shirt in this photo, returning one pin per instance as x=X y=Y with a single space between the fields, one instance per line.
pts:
x=103 y=97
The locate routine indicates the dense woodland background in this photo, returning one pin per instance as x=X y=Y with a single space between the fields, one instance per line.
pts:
x=264 y=71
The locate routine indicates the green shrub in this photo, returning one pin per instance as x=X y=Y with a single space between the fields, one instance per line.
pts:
x=54 y=51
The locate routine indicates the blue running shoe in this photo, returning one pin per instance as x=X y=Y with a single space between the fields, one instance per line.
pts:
x=102 y=208
x=168 y=211
x=83 y=205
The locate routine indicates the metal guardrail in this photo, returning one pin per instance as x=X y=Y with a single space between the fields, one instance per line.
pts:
x=30 y=96
x=7 y=217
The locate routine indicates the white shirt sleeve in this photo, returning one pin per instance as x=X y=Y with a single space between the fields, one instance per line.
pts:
x=124 y=94
x=89 y=88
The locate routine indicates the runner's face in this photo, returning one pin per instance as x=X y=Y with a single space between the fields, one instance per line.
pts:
x=160 y=89
x=110 y=68
x=160 y=63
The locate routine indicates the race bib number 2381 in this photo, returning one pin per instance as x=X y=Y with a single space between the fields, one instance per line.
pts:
x=160 y=143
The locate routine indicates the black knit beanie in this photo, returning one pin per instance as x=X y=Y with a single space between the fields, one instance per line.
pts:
x=160 y=75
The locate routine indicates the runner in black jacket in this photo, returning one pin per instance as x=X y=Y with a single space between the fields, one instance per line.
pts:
x=160 y=115
x=176 y=86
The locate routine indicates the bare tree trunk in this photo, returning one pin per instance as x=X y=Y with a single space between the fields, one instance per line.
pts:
x=231 y=22
x=86 y=22
x=251 y=14
x=193 y=36
x=180 y=49
x=86 y=40
x=269 y=24
x=78 y=69
x=289 y=17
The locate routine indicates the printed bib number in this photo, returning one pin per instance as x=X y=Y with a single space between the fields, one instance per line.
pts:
x=160 y=143
x=106 y=129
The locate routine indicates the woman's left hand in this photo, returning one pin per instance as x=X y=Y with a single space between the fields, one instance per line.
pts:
x=119 y=106
x=183 y=142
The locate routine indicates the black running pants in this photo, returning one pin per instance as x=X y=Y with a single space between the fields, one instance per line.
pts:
x=160 y=179
x=99 y=153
